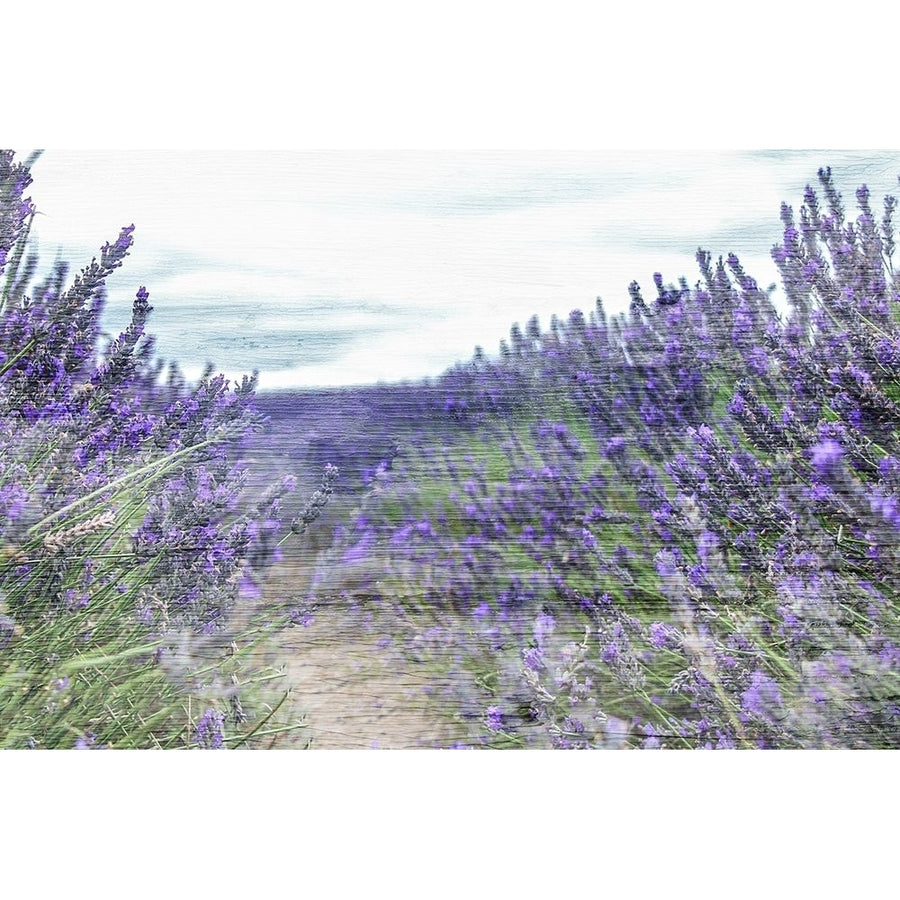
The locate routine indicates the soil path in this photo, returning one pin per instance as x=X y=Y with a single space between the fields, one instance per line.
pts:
x=353 y=686
x=355 y=693
x=349 y=680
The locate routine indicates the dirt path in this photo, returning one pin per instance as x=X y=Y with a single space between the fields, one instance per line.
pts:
x=348 y=677
x=355 y=691
x=349 y=680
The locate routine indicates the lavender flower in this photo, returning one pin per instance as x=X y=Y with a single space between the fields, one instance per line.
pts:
x=763 y=697
x=493 y=719
x=208 y=733
x=825 y=456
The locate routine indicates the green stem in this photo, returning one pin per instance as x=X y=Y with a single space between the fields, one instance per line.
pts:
x=23 y=352
x=243 y=740
x=86 y=662
x=295 y=727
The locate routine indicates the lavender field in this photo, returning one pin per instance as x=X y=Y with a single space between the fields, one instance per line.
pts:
x=674 y=527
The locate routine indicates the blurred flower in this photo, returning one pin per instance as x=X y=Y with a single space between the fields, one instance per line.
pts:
x=208 y=733
x=493 y=718
x=826 y=455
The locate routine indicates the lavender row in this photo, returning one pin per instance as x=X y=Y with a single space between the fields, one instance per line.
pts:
x=673 y=527
x=123 y=525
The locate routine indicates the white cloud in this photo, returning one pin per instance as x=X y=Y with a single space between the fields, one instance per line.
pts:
x=423 y=255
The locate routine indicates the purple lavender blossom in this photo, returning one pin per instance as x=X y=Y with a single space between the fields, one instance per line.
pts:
x=208 y=733
x=661 y=635
x=493 y=719
x=533 y=658
x=482 y=611
x=763 y=696
x=651 y=740
x=249 y=589
x=666 y=565
x=887 y=507
x=826 y=455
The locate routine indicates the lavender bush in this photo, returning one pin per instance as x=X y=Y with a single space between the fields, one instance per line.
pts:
x=125 y=542
x=675 y=527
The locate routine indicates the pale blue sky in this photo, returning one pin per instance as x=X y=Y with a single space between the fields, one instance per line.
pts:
x=351 y=267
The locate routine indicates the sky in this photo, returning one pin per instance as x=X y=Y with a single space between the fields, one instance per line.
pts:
x=350 y=267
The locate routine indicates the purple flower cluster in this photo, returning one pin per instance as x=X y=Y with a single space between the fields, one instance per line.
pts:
x=708 y=487
x=208 y=732
x=115 y=484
